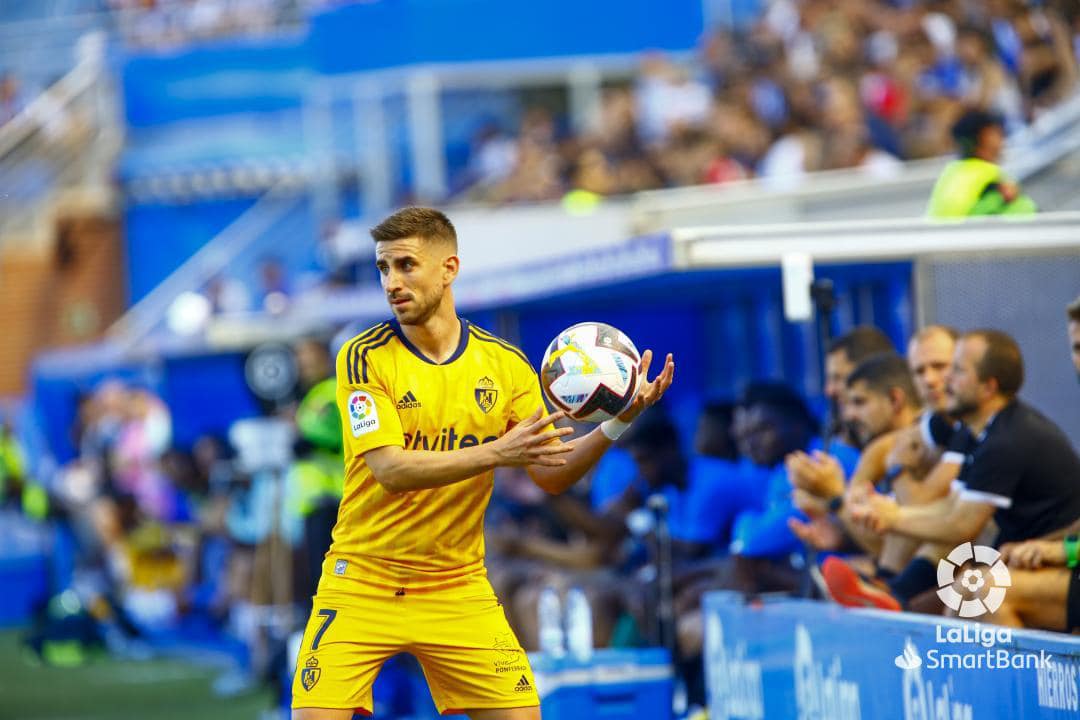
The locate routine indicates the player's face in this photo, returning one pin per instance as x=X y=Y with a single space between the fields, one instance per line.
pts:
x=761 y=435
x=1074 y=343
x=415 y=275
x=837 y=369
x=867 y=413
x=929 y=360
x=965 y=390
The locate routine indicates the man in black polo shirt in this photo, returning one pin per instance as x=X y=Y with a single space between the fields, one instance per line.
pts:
x=1021 y=470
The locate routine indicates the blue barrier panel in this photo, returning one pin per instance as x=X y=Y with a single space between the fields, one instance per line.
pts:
x=804 y=659
x=614 y=684
x=388 y=33
x=215 y=78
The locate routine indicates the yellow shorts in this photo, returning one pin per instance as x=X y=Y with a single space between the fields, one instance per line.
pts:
x=460 y=635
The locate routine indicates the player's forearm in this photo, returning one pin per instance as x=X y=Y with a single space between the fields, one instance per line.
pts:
x=873 y=463
x=939 y=522
x=586 y=452
x=404 y=471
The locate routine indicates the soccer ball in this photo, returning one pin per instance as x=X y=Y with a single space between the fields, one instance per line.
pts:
x=590 y=371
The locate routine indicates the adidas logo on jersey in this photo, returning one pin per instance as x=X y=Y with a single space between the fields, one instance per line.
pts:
x=522 y=685
x=408 y=401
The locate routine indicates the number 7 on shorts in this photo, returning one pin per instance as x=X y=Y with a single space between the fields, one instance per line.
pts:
x=329 y=615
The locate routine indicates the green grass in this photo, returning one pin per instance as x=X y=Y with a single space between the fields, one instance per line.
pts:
x=108 y=688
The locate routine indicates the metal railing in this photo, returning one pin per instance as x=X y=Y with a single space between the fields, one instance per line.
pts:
x=274 y=216
x=65 y=138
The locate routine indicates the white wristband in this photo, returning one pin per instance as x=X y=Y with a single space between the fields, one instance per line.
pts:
x=613 y=428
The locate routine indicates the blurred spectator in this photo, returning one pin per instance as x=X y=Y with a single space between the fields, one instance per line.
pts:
x=841 y=357
x=715 y=434
x=274 y=290
x=227 y=295
x=880 y=397
x=976 y=184
x=929 y=355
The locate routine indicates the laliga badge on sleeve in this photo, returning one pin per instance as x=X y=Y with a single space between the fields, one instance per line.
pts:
x=363 y=416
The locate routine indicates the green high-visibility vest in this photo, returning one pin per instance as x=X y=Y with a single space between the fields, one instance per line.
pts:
x=962 y=191
x=318 y=418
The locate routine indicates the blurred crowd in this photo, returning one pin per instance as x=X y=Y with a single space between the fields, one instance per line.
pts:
x=813 y=85
x=170 y=23
x=921 y=452
x=214 y=546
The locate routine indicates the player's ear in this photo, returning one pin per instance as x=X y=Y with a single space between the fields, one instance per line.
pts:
x=451 y=265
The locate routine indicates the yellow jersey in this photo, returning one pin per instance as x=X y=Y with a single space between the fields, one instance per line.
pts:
x=389 y=393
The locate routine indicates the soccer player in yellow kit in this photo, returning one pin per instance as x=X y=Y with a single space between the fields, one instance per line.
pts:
x=430 y=406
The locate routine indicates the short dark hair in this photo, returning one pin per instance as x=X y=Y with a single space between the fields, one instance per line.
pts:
x=967 y=129
x=653 y=431
x=721 y=411
x=861 y=343
x=1073 y=310
x=882 y=373
x=781 y=398
x=1002 y=360
x=427 y=224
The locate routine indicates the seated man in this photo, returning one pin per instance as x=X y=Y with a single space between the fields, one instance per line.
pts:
x=773 y=421
x=881 y=400
x=872 y=390
x=1021 y=470
x=1045 y=590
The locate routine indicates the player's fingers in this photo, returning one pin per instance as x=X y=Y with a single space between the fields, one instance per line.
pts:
x=541 y=422
x=668 y=371
x=548 y=461
x=801 y=529
x=553 y=449
x=546 y=437
x=646 y=363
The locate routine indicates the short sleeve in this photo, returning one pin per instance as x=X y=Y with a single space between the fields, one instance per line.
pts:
x=527 y=396
x=369 y=418
x=950 y=436
x=992 y=476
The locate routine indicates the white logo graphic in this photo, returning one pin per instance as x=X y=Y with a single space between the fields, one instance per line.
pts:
x=363 y=416
x=973 y=579
x=909 y=659
x=734 y=681
x=820 y=688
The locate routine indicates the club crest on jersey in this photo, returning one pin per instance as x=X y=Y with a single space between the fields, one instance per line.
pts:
x=486 y=394
x=363 y=416
x=309 y=676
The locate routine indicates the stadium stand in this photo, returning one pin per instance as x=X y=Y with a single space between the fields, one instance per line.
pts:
x=185 y=192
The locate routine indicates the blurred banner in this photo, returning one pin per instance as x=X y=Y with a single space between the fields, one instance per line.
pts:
x=803 y=659
x=373 y=35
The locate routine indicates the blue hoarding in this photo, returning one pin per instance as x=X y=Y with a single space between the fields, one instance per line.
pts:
x=818 y=661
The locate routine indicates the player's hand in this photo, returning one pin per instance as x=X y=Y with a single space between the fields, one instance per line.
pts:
x=649 y=392
x=1034 y=554
x=819 y=533
x=531 y=443
x=808 y=503
x=819 y=474
x=877 y=513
